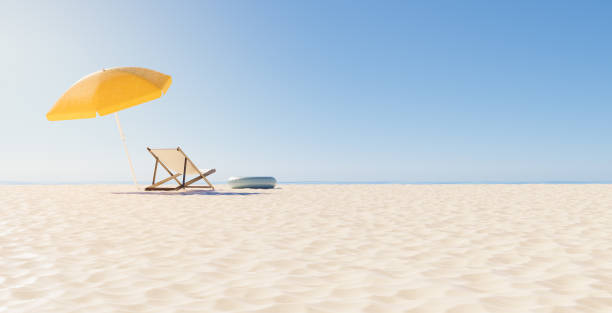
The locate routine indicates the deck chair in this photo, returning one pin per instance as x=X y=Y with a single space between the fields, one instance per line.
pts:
x=175 y=160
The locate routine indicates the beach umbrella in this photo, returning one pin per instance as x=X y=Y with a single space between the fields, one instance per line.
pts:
x=108 y=91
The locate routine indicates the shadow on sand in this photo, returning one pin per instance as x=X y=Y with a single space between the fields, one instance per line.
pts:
x=188 y=193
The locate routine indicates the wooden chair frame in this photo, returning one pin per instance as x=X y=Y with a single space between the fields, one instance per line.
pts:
x=184 y=184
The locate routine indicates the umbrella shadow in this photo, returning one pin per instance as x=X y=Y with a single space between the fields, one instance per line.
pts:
x=188 y=193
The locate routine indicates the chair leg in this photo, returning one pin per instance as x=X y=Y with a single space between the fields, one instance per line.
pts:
x=155 y=186
x=209 y=184
x=188 y=184
x=184 y=171
x=155 y=171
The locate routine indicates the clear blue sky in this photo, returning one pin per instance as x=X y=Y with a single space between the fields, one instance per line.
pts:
x=318 y=90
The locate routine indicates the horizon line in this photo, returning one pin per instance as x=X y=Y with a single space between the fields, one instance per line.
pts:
x=342 y=182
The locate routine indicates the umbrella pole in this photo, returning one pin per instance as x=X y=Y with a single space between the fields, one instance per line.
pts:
x=126 y=149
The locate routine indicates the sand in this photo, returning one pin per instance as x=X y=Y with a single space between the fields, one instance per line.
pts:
x=307 y=248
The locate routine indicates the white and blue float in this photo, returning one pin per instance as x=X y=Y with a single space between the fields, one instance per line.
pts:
x=255 y=182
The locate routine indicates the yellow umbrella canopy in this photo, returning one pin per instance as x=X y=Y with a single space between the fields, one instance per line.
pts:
x=109 y=91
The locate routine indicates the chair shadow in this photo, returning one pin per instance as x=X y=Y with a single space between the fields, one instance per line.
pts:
x=188 y=193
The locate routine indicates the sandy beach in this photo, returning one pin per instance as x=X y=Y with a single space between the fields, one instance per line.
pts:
x=307 y=248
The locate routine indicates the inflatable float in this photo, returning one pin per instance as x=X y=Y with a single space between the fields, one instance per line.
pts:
x=252 y=182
